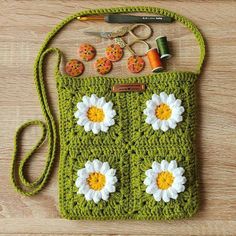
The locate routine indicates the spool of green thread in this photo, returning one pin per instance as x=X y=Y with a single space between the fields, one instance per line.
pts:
x=162 y=45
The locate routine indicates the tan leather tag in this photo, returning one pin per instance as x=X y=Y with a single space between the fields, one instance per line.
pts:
x=136 y=87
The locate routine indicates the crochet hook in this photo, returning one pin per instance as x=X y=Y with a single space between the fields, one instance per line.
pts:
x=117 y=18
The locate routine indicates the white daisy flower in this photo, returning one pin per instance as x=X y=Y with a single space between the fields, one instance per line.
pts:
x=96 y=181
x=95 y=114
x=165 y=180
x=163 y=111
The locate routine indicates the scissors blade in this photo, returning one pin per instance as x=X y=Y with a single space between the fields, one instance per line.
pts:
x=100 y=34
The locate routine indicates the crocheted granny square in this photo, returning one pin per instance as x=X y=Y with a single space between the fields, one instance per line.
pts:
x=130 y=146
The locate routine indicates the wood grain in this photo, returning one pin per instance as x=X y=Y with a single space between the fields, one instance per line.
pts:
x=23 y=27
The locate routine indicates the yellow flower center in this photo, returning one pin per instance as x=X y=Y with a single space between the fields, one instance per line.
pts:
x=163 y=112
x=96 y=181
x=95 y=114
x=164 y=180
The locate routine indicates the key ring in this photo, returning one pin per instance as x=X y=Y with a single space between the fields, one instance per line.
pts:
x=123 y=44
x=133 y=27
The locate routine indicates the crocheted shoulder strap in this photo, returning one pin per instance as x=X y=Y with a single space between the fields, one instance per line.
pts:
x=49 y=133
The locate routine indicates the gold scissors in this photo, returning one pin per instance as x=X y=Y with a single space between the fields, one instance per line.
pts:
x=117 y=35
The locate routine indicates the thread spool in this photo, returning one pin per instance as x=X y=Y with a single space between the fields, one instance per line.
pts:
x=154 y=60
x=162 y=45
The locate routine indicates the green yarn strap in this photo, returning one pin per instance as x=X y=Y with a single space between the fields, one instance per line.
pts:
x=49 y=130
x=21 y=183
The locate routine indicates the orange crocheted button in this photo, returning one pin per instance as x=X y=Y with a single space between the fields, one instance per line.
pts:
x=86 y=52
x=114 y=52
x=136 y=64
x=74 y=67
x=103 y=65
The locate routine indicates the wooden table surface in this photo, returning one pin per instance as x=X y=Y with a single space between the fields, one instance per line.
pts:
x=23 y=27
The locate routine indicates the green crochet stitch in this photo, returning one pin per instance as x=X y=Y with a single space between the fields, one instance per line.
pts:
x=130 y=146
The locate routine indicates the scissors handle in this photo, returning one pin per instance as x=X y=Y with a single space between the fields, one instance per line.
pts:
x=129 y=47
x=138 y=37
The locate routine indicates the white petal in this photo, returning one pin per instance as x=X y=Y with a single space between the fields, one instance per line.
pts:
x=93 y=100
x=110 y=113
x=151 y=189
x=104 y=128
x=172 y=193
x=97 y=165
x=182 y=109
x=172 y=124
x=158 y=195
x=89 y=167
x=172 y=165
x=178 y=110
x=170 y=99
x=88 y=126
x=105 y=167
x=86 y=101
x=180 y=179
x=101 y=102
x=156 y=99
x=96 y=128
x=111 y=172
x=177 y=103
x=89 y=195
x=150 y=104
x=105 y=194
x=150 y=173
x=148 y=181
x=156 y=125
x=163 y=97
x=82 y=121
x=176 y=117
x=97 y=196
x=164 y=165
x=111 y=188
x=156 y=167
x=165 y=196
x=178 y=171
x=111 y=180
x=150 y=119
x=83 y=189
x=79 y=182
x=77 y=114
x=80 y=114
x=149 y=111
x=108 y=106
x=82 y=172
x=82 y=179
x=178 y=187
x=109 y=122
x=83 y=107
x=164 y=125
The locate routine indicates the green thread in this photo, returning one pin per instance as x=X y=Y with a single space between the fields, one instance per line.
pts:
x=130 y=146
x=162 y=45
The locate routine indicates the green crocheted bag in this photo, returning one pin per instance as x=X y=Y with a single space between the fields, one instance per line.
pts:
x=126 y=155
